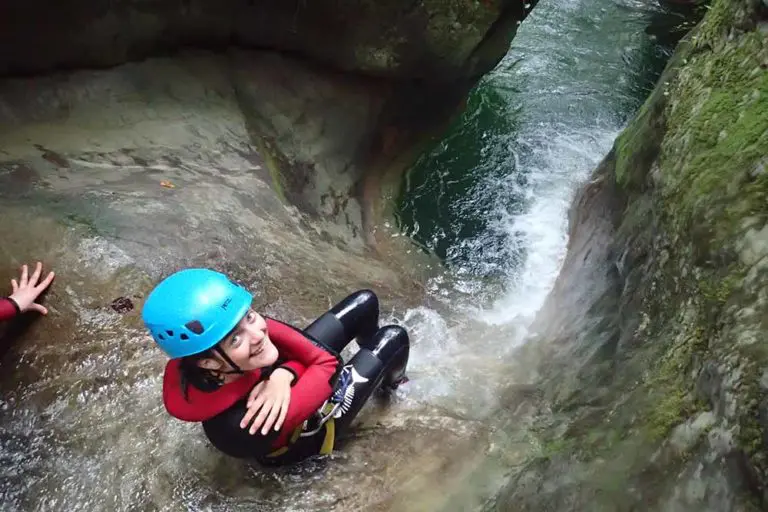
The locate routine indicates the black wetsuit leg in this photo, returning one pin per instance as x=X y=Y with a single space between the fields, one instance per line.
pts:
x=369 y=369
x=380 y=362
x=366 y=372
x=356 y=316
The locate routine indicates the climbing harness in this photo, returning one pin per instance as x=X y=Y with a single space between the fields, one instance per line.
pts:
x=325 y=416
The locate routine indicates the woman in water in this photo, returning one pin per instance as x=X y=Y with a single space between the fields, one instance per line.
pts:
x=261 y=388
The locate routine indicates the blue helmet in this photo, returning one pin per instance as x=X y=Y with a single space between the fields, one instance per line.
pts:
x=192 y=310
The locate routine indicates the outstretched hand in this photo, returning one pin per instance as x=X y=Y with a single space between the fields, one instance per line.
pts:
x=268 y=402
x=27 y=289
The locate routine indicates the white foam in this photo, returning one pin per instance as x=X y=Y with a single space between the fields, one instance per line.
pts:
x=556 y=170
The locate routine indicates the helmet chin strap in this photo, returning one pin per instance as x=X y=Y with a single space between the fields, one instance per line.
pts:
x=236 y=369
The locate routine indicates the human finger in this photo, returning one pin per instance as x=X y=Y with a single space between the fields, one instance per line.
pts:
x=36 y=274
x=265 y=410
x=251 y=412
x=273 y=415
x=14 y=286
x=255 y=392
x=38 y=307
x=46 y=282
x=24 y=279
x=283 y=413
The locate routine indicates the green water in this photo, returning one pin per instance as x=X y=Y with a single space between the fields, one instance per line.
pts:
x=492 y=193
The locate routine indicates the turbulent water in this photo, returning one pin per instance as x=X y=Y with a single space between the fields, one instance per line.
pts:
x=89 y=433
x=491 y=198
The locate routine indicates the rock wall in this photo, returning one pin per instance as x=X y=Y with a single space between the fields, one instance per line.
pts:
x=652 y=361
x=429 y=40
x=337 y=96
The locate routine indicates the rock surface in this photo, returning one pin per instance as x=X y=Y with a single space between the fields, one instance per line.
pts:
x=338 y=97
x=651 y=348
x=432 y=40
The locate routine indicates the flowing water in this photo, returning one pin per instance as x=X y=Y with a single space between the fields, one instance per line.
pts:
x=490 y=200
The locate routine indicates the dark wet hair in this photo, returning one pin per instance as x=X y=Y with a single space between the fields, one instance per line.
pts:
x=202 y=379
x=193 y=375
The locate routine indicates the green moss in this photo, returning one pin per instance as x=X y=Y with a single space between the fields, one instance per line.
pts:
x=706 y=129
x=635 y=143
x=718 y=287
x=670 y=412
x=557 y=446
x=271 y=160
x=751 y=435
x=638 y=145
x=670 y=398
x=717 y=133
x=669 y=382
x=714 y=127
x=721 y=16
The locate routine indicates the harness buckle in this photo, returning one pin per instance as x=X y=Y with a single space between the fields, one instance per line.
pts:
x=336 y=400
x=324 y=417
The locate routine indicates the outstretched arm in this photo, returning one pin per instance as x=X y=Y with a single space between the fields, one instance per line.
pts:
x=8 y=309
x=25 y=292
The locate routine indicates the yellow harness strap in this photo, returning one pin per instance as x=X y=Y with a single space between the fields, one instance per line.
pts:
x=294 y=436
x=330 y=437
x=328 y=441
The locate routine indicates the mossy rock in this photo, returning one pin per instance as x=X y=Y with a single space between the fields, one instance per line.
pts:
x=686 y=314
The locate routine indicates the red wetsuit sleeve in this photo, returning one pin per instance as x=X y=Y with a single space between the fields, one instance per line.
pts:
x=8 y=309
x=295 y=367
x=314 y=385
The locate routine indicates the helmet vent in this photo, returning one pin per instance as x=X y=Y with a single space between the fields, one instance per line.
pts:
x=183 y=336
x=169 y=333
x=195 y=326
x=161 y=337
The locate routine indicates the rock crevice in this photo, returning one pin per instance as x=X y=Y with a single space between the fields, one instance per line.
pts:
x=652 y=342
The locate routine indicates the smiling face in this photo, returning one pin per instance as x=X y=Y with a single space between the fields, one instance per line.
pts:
x=248 y=346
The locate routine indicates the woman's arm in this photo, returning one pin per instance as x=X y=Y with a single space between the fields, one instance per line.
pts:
x=25 y=293
x=224 y=432
x=314 y=386
x=8 y=309
x=314 y=370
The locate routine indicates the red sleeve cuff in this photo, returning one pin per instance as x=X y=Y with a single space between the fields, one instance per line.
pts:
x=8 y=309
x=296 y=368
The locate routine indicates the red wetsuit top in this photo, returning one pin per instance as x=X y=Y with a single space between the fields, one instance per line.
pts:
x=8 y=309
x=222 y=409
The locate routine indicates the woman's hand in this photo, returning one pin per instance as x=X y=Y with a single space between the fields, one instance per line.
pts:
x=26 y=289
x=270 y=399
